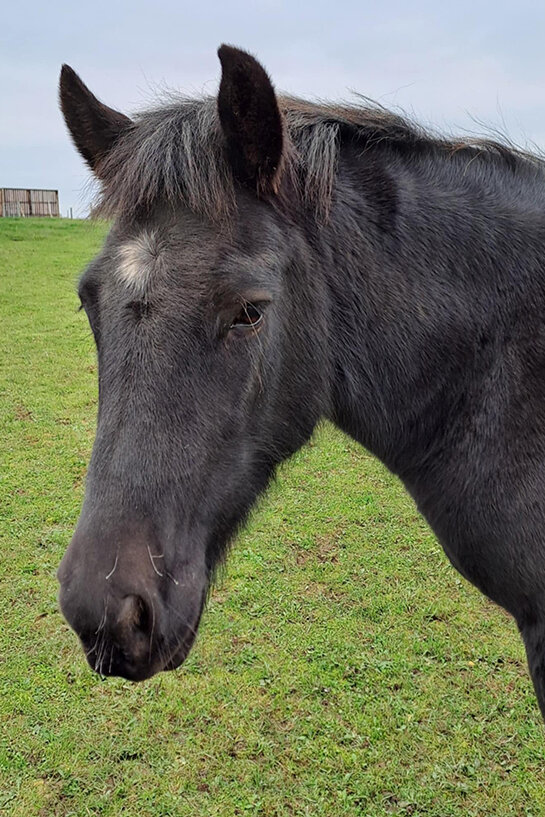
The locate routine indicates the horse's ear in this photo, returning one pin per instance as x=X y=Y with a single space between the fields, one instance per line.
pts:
x=94 y=127
x=251 y=121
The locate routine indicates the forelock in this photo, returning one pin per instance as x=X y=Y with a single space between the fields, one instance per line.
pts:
x=176 y=154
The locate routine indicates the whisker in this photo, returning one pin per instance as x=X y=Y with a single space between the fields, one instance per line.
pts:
x=112 y=571
x=102 y=661
x=152 y=625
x=103 y=619
x=151 y=558
x=99 y=631
x=100 y=653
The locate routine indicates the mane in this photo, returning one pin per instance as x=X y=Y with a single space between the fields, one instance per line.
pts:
x=176 y=153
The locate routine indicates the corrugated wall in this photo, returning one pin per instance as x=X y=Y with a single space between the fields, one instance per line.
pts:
x=15 y=202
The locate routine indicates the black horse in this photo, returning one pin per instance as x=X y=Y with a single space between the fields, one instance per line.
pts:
x=273 y=262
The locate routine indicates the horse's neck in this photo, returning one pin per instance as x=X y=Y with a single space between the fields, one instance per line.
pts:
x=419 y=269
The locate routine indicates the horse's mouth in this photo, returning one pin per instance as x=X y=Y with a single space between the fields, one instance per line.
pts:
x=117 y=662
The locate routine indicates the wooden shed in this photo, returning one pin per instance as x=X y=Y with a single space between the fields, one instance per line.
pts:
x=15 y=202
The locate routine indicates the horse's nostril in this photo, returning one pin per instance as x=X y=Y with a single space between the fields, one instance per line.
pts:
x=134 y=615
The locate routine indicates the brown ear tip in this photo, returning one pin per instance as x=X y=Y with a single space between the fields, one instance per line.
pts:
x=230 y=57
x=227 y=53
x=68 y=77
x=67 y=71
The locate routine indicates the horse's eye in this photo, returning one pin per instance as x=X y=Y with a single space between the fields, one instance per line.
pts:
x=249 y=317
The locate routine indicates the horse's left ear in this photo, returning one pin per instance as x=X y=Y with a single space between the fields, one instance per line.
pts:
x=251 y=121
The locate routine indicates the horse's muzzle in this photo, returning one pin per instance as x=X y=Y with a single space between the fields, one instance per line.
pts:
x=135 y=619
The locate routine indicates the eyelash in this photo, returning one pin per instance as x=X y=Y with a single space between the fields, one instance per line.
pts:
x=249 y=317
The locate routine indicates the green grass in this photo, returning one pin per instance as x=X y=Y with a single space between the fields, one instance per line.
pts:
x=342 y=668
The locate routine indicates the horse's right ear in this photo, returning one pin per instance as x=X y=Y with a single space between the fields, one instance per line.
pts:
x=94 y=127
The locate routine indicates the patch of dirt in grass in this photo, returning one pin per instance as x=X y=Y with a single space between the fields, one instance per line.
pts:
x=314 y=589
x=328 y=547
x=23 y=414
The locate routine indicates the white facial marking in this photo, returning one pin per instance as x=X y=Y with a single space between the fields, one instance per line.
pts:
x=138 y=259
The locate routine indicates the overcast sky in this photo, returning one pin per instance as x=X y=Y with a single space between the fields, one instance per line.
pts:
x=447 y=64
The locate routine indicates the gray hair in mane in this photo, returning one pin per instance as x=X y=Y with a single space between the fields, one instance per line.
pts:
x=176 y=153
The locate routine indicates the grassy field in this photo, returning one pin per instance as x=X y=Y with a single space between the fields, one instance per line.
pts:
x=342 y=668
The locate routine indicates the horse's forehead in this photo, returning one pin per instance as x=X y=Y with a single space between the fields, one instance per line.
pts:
x=200 y=255
x=142 y=255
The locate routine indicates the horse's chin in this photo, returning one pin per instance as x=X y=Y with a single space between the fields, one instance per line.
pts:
x=178 y=659
x=178 y=656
